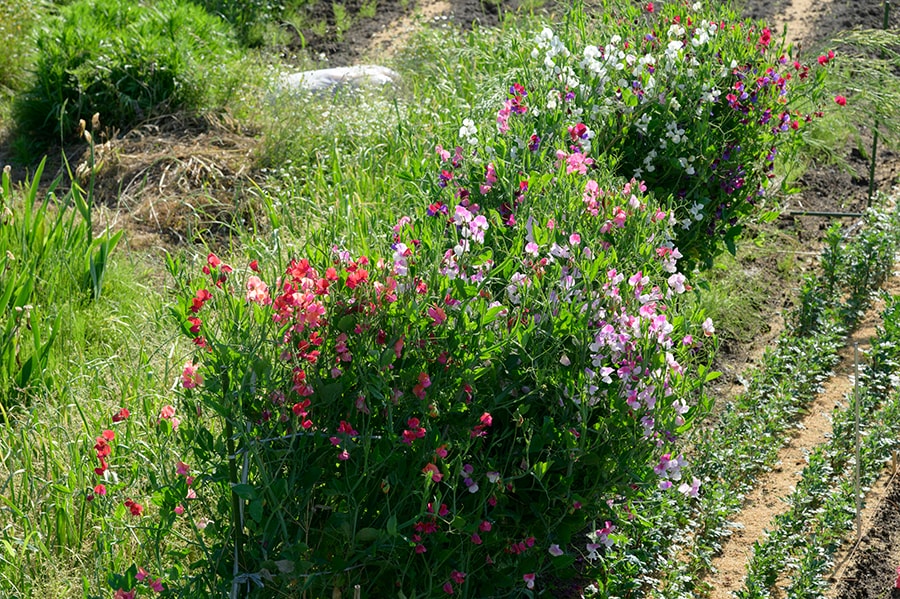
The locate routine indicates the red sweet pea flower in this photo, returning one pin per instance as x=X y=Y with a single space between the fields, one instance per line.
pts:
x=202 y=296
x=840 y=100
x=195 y=324
x=135 y=508
x=436 y=475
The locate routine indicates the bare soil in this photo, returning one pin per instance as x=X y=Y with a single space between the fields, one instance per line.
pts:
x=373 y=37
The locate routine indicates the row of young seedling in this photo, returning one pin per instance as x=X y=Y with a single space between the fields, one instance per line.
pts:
x=745 y=439
x=801 y=543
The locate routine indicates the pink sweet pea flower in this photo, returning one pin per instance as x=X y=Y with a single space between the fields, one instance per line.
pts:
x=190 y=376
x=529 y=580
x=436 y=475
x=258 y=291
x=437 y=315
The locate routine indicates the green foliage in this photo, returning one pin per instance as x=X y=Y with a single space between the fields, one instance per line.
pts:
x=744 y=439
x=803 y=540
x=49 y=252
x=126 y=61
x=250 y=18
x=17 y=17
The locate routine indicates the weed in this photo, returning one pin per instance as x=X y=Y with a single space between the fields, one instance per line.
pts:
x=368 y=9
x=342 y=20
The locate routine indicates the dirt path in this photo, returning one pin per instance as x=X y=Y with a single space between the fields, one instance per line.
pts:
x=395 y=35
x=798 y=18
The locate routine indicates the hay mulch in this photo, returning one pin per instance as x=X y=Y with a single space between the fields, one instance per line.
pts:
x=178 y=179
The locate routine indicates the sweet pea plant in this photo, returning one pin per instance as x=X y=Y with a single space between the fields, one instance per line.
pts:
x=473 y=408
x=444 y=421
x=462 y=415
x=689 y=99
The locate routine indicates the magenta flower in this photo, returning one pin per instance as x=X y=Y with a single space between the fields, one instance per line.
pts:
x=413 y=432
x=436 y=475
x=346 y=429
x=437 y=315
x=840 y=100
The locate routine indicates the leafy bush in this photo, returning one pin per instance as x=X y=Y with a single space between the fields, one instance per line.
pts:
x=692 y=100
x=459 y=414
x=128 y=61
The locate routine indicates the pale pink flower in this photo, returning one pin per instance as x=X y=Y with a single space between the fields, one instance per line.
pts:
x=190 y=376
x=258 y=291
x=691 y=490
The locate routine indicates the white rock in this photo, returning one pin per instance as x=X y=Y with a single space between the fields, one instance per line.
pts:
x=338 y=77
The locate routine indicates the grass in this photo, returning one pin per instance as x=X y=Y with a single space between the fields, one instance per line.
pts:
x=127 y=62
x=111 y=353
x=17 y=17
x=740 y=292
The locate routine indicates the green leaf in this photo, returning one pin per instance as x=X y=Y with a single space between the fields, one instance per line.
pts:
x=347 y=323
x=367 y=535
x=256 y=510
x=392 y=526
x=244 y=491
x=387 y=357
